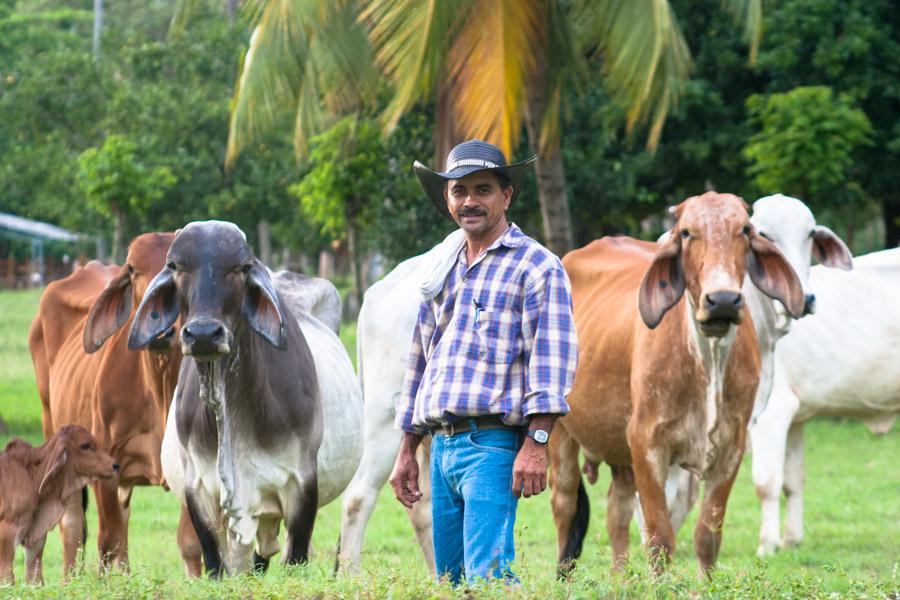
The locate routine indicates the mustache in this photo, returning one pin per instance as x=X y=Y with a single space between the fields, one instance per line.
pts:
x=471 y=212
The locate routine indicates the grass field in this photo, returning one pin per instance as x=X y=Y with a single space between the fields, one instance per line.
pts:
x=852 y=546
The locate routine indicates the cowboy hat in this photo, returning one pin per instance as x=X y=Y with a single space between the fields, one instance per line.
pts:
x=467 y=158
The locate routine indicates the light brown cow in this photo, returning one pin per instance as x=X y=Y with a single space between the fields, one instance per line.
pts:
x=86 y=375
x=662 y=381
x=34 y=486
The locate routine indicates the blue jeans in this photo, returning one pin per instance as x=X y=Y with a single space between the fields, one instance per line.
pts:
x=472 y=505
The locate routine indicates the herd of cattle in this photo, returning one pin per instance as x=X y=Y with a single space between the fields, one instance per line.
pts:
x=687 y=345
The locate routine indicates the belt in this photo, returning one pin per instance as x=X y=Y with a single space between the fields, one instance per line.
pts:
x=464 y=425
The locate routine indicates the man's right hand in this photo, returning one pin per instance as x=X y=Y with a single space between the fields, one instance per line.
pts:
x=405 y=476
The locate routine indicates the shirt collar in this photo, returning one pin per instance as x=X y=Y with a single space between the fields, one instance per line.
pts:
x=511 y=238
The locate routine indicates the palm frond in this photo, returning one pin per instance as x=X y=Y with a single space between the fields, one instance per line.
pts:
x=748 y=12
x=645 y=57
x=184 y=11
x=490 y=63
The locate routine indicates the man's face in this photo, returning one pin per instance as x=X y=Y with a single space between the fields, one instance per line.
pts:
x=477 y=203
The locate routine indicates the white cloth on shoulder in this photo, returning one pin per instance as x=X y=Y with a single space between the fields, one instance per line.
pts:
x=440 y=260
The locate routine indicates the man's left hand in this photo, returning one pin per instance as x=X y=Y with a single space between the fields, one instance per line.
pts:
x=530 y=469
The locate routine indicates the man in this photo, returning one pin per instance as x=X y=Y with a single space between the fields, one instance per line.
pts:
x=492 y=360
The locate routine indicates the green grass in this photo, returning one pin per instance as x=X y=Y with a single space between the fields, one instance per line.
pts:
x=852 y=545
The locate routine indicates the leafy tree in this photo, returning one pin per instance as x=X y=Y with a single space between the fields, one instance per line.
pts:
x=806 y=142
x=346 y=165
x=116 y=183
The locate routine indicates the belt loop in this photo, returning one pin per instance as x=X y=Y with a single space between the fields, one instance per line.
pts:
x=473 y=425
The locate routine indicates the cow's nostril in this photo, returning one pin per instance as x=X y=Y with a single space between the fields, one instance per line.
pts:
x=218 y=335
x=187 y=336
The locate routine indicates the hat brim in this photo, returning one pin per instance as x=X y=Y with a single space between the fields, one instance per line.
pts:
x=433 y=182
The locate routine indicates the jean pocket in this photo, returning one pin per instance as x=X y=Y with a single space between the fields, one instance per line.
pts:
x=495 y=440
x=499 y=336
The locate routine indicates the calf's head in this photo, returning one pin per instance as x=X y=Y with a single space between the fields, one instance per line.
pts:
x=213 y=280
x=146 y=256
x=706 y=254
x=790 y=225
x=74 y=460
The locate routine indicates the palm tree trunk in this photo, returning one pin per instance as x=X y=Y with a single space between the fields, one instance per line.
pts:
x=265 y=242
x=118 y=254
x=98 y=28
x=551 y=174
x=353 y=249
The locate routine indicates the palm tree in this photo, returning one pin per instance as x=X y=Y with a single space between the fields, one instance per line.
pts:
x=490 y=66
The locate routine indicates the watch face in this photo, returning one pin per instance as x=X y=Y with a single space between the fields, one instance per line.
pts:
x=540 y=436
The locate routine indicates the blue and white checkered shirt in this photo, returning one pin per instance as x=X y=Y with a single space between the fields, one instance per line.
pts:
x=499 y=339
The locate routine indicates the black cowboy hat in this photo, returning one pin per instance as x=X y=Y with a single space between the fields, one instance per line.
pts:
x=467 y=158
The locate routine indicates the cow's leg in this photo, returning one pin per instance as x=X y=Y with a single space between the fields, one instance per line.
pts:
x=7 y=551
x=111 y=524
x=34 y=568
x=266 y=543
x=682 y=488
x=73 y=530
x=301 y=518
x=619 y=510
x=568 y=499
x=794 y=476
x=768 y=436
x=379 y=453
x=708 y=532
x=204 y=529
x=650 y=468
x=189 y=545
x=420 y=513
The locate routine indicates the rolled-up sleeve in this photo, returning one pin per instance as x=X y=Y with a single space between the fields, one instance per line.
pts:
x=551 y=345
x=415 y=368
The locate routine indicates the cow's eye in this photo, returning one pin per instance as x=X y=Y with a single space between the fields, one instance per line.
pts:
x=765 y=235
x=86 y=446
x=246 y=268
x=130 y=270
x=171 y=266
x=746 y=230
x=685 y=234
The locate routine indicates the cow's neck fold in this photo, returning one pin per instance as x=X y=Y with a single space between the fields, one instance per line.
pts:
x=713 y=353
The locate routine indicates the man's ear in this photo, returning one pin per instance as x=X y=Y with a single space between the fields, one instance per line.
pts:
x=830 y=250
x=663 y=283
x=261 y=307
x=773 y=274
x=157 y=312
x=109 y=312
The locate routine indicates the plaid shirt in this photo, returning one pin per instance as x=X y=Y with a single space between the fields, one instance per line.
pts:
x=499 y=339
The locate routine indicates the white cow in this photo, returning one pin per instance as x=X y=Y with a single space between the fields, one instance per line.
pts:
x=840 y=362
x=385 y=328
x=790 y=224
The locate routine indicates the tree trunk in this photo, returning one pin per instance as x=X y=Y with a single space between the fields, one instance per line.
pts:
x=230 y=10
x=118 y=251
x=353 y=250
x=551 y=174
x=890 y=212
x=98 y=28
x=265 y=242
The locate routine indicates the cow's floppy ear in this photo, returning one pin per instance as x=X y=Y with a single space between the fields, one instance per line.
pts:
x=109 y=312
x=261 y=307
x=773 y=274
x=57 y=458
x=663 y=283
x=830 y=250
x=157 y=312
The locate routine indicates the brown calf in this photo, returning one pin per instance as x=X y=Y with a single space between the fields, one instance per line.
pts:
x=35 y=484
x=651 y=391
x=86 y=375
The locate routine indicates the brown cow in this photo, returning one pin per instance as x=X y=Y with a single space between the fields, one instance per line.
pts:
x=650 y=391
x=34 y=486
x=86 y=375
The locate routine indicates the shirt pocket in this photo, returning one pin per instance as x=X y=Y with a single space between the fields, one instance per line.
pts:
x=499 y=336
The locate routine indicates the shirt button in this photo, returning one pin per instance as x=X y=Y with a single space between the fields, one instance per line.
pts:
x=464 y=280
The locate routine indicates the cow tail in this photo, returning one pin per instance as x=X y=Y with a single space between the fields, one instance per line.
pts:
x=577 y=533
x=337 y=555
x=84 y=507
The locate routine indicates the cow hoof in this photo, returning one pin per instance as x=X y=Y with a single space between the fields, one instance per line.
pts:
x=766 y=549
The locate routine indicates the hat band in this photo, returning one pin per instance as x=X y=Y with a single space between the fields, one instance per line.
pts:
x=472 y=162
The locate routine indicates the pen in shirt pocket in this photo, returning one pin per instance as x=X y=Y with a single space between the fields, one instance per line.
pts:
x=478 y=309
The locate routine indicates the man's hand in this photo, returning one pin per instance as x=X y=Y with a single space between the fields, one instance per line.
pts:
x=405 y=476
x=530 y=469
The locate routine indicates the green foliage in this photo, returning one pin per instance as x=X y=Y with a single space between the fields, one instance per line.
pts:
x=114 y=179
x=806 y=142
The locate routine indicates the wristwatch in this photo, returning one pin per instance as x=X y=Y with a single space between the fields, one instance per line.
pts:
x=538 y=435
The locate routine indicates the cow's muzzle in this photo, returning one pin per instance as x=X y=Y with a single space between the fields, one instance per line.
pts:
x=205 y=340
x=719 y=311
